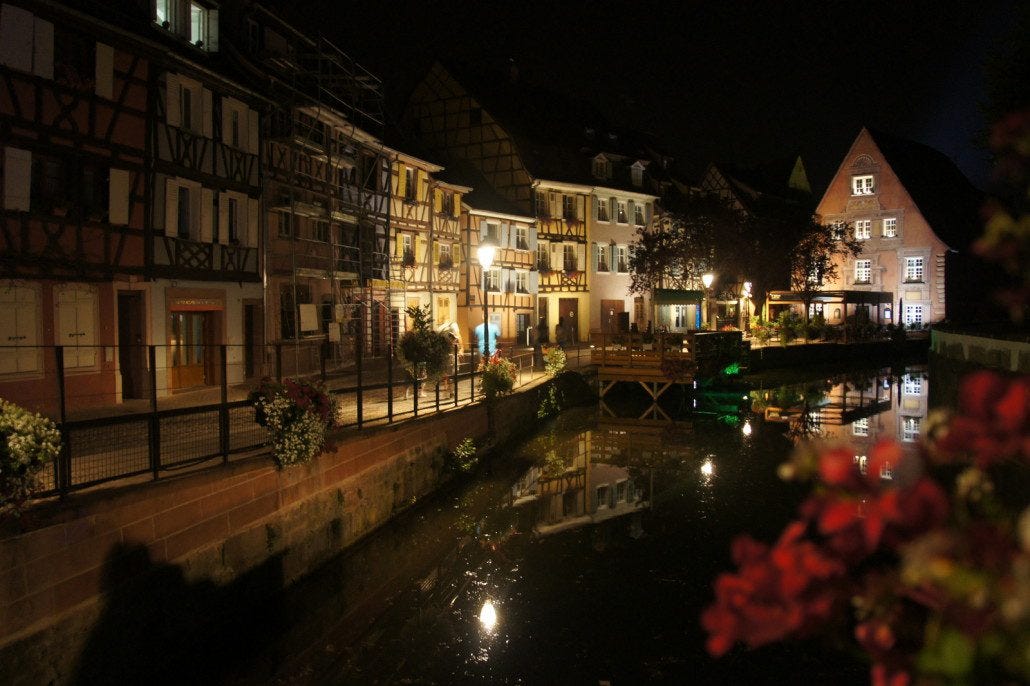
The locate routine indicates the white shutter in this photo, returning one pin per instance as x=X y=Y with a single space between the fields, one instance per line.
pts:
x=629 y=213
x=253 y=221
x=43 y=49
x=507 y=237
x=507 y=280
x=595 y=206
x=18 y=327
x=557 y=256
x=252 y=131
x=195 y=194
x=207 y=219
x=171 y=207
x=211 y=40
x=172 y=113
x=17 y=178
x=534 y=282
x=207 y=107
x=531 y=235
x=581 y=257
x=118 y=197
x=104 y=71
x=16 y=33
x=613 y=210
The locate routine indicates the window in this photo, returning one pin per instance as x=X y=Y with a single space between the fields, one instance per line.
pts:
x=600 y=167
x=569 y=262
x=543 y=257
x=602 y=210
x=522 y=237
x=886 y=471
x=285 y=225
x=542 y=210
x=622 y=259
x=75 y=325
x=621 y=215
x=910 y=429
x=493 y=279
x=320 y=231
x=860 y=427
x=603 y=258
x=182 y=229
x=862 y=185
x=912 y=385
x=198 y=24
x=913 y=316
x=603 y=495
x=409 y=184
x=636 y=174
x=838 y=230
x=913 y=269
x=446 y=259
x=863 y=271
x=522 y=282
x=407 y=251
x=570 y=206
x=638 y=214
x=234 y=220
x=863 y=229
x=863 y=463
x=890 y=227
x=447 y=204
x=493 y=232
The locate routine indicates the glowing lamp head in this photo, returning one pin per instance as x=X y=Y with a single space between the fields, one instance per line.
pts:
x=747 y=289
x=707 y=279
x=485 y=252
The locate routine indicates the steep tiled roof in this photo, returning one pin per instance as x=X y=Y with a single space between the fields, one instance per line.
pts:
x=482 y=196
x=944 y=196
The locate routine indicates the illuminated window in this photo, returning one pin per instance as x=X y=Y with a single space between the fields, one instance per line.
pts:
x=570 y=206
x=603 y=258
x=914 y=315
x=862 y=185
x=863 y=463
x=910 y=429
x=198 y=23
x=621 y=259
x=860 y=427
x=638 y=214
x=912 y=385
x=890 y=227
x=913 y=269
x=863 y=229
x=522 y=282
x=493 y=279
x=622 y=212
x=863 y=271
x=522 y=237
x=602 y=210
x=570 y=262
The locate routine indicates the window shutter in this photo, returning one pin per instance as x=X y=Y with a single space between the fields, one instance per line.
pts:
x=581 y=257
x=228 y=105
x=421 y=247
x=172 y=113
x=210 y=231
x=423 y=185
x=16 y=32
x=252 y=131
x=17 y=177
x=534 y=282
x=505 y=238
x=437 y=201
x=613 y=209
x=596 y=205
x=557 y=256
x=118 y=196
x=206 y=124
x=507 y=280
x=43 y=49
x=531 y=236
x=436 y=252
x=18 y=327
x=171 y=207
x=105 y=71
x=456 y=204
x=399 y=245
x=630 y=212
x=211 y=41
x=482 y=229
x=253 y=222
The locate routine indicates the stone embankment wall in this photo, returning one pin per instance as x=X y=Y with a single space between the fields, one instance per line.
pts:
x=214 y=526
x=954 y=354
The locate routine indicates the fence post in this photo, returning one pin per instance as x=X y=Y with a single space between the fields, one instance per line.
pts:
x=472 y=375
x=416 y=387
x=359 y=359
x=279 y=362
x=321 y=358
x=223 y=410
x=389 y=383
x=155 y=421
x=454 y=391
x=63 y=467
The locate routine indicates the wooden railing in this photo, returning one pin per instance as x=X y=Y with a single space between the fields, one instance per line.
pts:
x=635 y=350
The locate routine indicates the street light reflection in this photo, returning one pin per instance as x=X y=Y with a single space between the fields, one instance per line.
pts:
x=746 y=429
x=707 y=469
x=488 y=616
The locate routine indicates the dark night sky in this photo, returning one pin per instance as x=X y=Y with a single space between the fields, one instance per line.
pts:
x=733 y=81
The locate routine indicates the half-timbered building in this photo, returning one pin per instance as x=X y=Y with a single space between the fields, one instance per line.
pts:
x=73 y=121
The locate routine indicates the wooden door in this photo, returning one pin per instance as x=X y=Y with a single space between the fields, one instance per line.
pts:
x=610 y=311
x=189 y=350
x=568 y=310
x=130 y=344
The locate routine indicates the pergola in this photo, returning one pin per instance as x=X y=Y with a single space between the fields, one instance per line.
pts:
x=840 y=304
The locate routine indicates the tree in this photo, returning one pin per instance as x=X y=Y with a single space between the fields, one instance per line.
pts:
x=424 y=352
x=816 y=258
x=694 y=235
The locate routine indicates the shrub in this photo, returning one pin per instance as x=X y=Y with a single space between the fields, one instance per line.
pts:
x=28 y=441
x=464 y=457
x=424 y=353
x=298 y=415
x=498 y=376
x=554 y=360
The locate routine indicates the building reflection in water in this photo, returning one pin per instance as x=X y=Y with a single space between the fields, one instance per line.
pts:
x=857 y=410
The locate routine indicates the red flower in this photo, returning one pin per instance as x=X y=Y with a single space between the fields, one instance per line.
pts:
x=837 y=467
x=885 y=453
x=994 y=420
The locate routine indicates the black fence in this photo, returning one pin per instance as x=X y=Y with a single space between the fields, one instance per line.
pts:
x=152 y=410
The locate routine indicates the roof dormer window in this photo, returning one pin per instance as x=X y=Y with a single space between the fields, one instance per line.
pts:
x=602 y=167
x=862 y=184
x=636 y=174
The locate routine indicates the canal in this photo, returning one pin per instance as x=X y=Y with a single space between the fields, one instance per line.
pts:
x=587 y=555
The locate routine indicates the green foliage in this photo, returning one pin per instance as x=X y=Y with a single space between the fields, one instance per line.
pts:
x=28 y=442
x=551 y=404
x=424 y=353
x=761 y=330
x=298 y=415
x=788 y=326
x=464 y=457
x=554 y=360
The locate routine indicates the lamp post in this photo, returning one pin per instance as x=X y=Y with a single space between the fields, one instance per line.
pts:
x=707 y=278
x=485 y=253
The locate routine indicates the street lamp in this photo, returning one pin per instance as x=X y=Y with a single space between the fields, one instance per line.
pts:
x=485 y=253
x=707 y=278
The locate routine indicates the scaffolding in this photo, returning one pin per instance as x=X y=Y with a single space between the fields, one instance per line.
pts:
x=327 y=187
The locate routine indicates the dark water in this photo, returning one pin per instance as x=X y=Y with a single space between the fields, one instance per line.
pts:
x=586 y=557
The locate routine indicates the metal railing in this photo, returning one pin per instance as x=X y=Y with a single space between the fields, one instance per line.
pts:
x=151 y=410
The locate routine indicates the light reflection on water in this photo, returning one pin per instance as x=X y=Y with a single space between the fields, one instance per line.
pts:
x=589 y=555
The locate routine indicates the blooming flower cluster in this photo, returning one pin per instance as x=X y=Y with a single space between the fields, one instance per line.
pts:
x=298 y=415
x=498 y=374
x=28 y=441
x=938 y=584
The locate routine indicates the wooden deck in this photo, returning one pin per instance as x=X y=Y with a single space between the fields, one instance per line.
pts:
x=628 y=358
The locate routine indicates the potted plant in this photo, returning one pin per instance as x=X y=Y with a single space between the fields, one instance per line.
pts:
x=298 y=415
x=28 y=442
x=498 y=376
x=424 y=353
